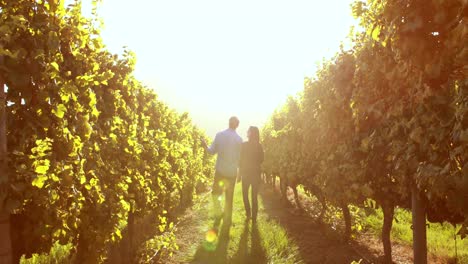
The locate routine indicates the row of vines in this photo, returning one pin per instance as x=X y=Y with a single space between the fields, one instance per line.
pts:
x=386 y=120
x=89 y=148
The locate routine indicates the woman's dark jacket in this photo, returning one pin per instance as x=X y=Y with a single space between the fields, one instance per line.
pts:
x=251 y=159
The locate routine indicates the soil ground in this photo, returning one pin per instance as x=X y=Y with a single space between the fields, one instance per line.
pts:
x=308 y=240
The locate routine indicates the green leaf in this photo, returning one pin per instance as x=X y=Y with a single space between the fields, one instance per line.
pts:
x=54 y=65
x=60 y=111
x=54 y=178
x=39 y=181
x=95 y=112
x=93 y=182
x=42 y=166
x=41 y=169
x=54 y=196
x=82 y=179
x=65 y=98
x=113 y=137
x=376 y=33
x=125 y=205
x=118 y=233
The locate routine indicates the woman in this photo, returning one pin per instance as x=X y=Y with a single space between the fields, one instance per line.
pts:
x=251 y=158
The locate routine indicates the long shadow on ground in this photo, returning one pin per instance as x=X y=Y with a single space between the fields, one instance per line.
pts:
x=214 y=249
x=318 y=243
x=257 y=253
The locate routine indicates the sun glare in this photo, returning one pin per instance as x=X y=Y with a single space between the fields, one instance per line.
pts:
x=215 y=59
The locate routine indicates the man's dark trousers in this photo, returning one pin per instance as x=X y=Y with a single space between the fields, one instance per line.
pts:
x=223 y=183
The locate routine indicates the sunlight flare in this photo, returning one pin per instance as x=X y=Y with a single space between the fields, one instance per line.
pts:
x=211 y=236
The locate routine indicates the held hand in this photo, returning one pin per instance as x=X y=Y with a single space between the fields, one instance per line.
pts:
x=203 y=142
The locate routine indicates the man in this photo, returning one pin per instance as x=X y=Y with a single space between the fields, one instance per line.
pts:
x=227 y=144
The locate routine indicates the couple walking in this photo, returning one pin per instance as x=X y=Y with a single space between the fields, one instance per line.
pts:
x=236 y=160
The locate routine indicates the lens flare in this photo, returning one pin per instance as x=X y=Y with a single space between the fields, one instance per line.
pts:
x=210 y=247
x=211 y=236
x=221 y=183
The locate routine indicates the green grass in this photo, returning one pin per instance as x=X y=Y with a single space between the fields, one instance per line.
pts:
x=58 y=254
x=264 y=242
x=440 y=237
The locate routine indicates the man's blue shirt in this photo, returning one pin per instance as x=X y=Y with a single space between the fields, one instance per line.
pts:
x=227 y=144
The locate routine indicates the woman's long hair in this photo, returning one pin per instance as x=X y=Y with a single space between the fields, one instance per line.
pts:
x=254 y=134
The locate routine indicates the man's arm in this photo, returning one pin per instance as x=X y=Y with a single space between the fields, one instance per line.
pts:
x=213 y=148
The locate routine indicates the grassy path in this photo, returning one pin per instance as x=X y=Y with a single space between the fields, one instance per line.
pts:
x=278 y=236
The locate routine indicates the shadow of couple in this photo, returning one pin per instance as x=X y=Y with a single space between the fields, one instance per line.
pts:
x=257 y=253
x=214 y=248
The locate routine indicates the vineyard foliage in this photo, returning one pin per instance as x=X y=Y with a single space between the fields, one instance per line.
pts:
x=88 y=144
x=387 y=114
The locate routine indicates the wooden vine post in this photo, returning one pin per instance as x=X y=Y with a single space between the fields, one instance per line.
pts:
x=418 y=206
x=5 y=239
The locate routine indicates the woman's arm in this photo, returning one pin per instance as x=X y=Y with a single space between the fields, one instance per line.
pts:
x=241 y=163
x=261 y=155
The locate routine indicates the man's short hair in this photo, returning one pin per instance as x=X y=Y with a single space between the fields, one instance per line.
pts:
x=233 y=122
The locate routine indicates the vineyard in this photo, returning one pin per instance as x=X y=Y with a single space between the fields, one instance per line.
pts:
x=94 y=163
x=385 y=121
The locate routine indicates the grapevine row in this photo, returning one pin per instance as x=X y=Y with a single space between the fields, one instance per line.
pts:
x=89 y=147
x=386 y=120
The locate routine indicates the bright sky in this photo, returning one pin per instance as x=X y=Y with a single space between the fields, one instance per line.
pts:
x=218 y=58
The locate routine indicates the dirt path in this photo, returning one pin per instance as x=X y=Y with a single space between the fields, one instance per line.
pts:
x=367 y=246
x=317 y=243
x=190 y=231
x=314 y=242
